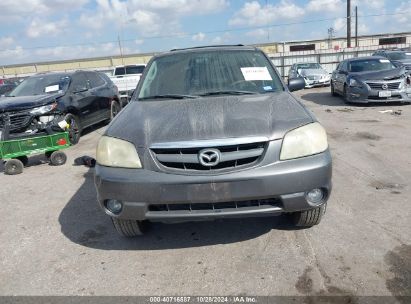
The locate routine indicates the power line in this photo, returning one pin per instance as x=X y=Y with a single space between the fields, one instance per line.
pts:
x=180 y=35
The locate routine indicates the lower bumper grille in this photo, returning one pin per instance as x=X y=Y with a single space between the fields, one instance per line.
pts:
x=210 y=207
x=397 y=97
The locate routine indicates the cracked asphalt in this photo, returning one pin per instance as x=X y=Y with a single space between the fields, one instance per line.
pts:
x=54 y=239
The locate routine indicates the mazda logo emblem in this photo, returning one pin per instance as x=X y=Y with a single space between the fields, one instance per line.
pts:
x=384 y=86
x=209 y=157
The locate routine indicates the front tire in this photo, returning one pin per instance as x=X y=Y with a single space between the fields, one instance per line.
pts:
x=345 y=95
x=333 y=93
x=129 y=228
x=74 y=128
x=309 y=218
x=115 y=109
x=13 y=167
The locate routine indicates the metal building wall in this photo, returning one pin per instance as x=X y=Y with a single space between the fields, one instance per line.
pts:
x=324 y=53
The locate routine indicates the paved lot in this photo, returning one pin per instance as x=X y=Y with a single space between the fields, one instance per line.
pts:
x=54 y=240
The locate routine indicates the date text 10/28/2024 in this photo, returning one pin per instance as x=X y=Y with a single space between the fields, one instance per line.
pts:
x=203 y=299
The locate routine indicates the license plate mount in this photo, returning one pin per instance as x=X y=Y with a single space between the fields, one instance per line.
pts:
x=384 y=94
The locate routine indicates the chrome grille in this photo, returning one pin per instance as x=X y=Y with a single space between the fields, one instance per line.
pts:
x=187 y=158
x=378 y=85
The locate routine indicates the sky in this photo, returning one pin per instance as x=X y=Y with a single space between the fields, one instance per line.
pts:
x=49 y=30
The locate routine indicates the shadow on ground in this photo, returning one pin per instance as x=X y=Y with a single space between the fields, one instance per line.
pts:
x=323 y=98
x=35 y=160
x=83 y=222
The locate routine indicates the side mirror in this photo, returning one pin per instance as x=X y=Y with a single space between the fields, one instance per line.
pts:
x=80 y=89
x=296 y=84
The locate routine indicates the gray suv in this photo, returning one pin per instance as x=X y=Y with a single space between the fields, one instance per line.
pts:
x=398 y=57
x=212 y=132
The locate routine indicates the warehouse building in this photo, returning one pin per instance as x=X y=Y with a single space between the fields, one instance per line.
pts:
x=283 y=55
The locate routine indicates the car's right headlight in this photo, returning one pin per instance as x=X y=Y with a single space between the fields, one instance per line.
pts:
x=304 y=141
x=114 y=152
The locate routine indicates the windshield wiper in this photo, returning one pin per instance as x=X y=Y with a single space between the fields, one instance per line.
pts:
x=168 y=96
x=229 y=92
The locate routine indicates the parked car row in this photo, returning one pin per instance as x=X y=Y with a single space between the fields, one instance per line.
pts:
x=82 y=98
x=371 y=79
x=383 y=77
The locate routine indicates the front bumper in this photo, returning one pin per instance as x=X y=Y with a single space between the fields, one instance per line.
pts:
x=23 y=124
x=274 y=188
x=366 y=94
x=317 y=83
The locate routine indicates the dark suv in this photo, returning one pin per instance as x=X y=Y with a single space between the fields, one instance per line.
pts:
x=213 y=132
x=82 y=98
x=398 y=57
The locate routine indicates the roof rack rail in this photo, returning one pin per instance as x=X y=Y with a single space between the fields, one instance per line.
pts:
x=206 y=46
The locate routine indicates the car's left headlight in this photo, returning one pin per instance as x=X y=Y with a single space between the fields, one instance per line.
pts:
x=354 y=83
x=304 y=141
x=43 y=109
x=114 y=152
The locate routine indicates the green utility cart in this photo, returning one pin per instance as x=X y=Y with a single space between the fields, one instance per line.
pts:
x=15 y=152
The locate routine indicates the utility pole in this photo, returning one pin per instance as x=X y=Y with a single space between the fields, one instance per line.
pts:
x=356 y=26
x=349 y=23
x=268 y=22
x=330 y=37
x=121 y=50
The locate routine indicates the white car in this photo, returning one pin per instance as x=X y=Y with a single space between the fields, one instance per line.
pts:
x=313 y=73
x=126 y=79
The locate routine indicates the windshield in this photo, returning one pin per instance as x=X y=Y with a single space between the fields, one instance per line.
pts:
x=313 y=66
x=210 y=72
x=370 y=65
x=39 y=85
x=399 y=55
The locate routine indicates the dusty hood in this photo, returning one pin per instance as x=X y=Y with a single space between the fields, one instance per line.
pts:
x=380 y=75
x=26 y=102
x=269 y=115
x=311 y=72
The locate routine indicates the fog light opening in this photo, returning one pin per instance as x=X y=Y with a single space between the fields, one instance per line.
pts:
x=114 y=206
x=315 y=196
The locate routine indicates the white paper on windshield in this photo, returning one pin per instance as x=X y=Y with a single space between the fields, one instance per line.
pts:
x=53 y=88
x=384 y=60
x=408 y=54
x=256 y=73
